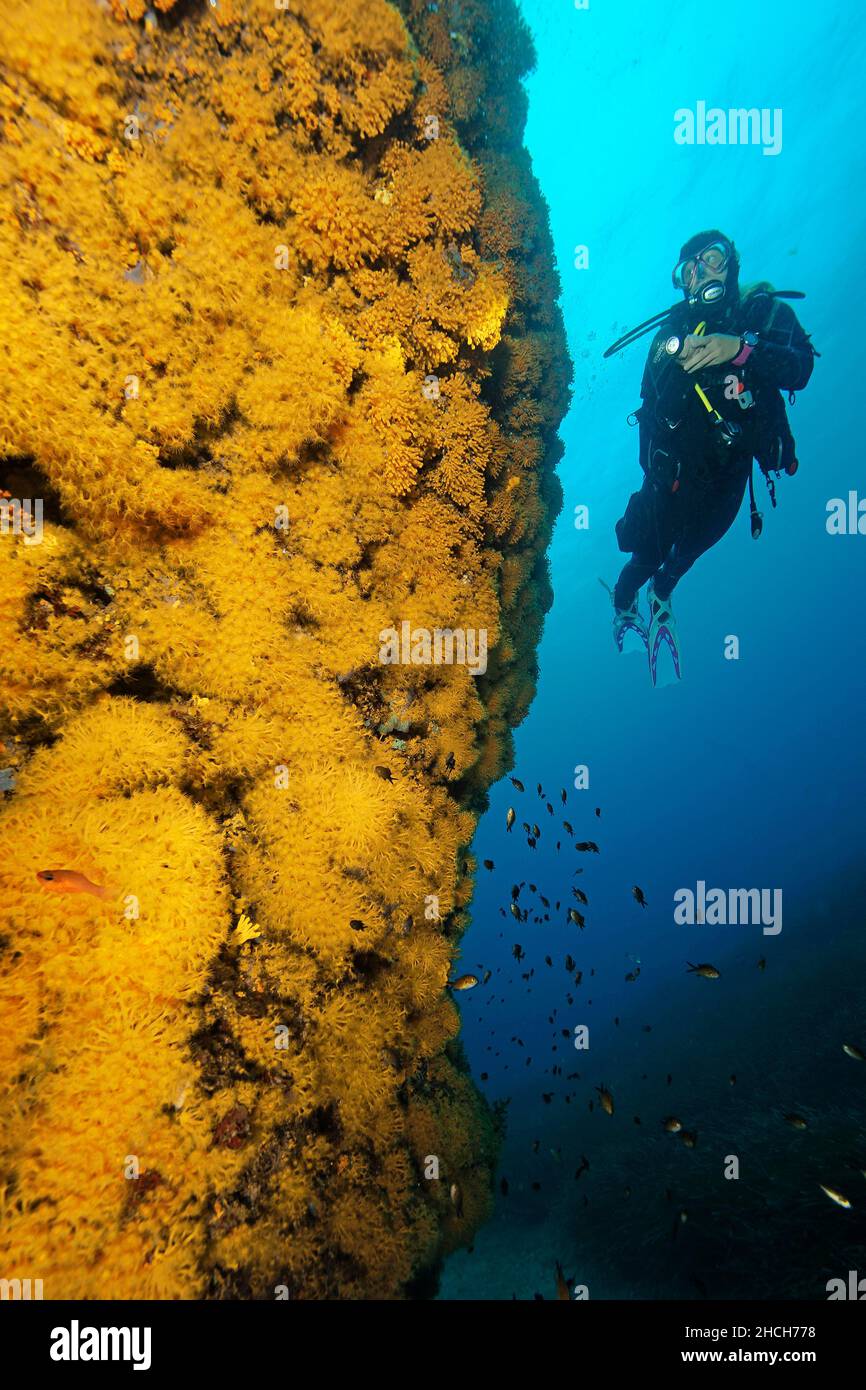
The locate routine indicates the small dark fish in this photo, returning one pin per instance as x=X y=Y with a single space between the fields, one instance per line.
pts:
x=538 y=789
x=515 y=891
x=515 y=911
x=357 y=925
x=489 y=864
x=732 y=1079
x=851 y=1050
x=672 y=1125
x=549 y=807
x=449 y=763
x=517 y=951
x=587 y=847
x=384 y=772
x=547 y=1097
x=536 y=832
x=762 y=963
x=510 y=818
x=575 y=917
x=796 y=1121
x=532 y=843
x=638 y=895
x=598 y=812
x=487 y=975
x=570 y=963
x=564 y=795
x=580 y=895
x=689 y=1138
x=515 y=782
x=568 y=828
x=706 y=972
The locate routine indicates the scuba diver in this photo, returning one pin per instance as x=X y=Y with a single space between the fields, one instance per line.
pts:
x=711 y=404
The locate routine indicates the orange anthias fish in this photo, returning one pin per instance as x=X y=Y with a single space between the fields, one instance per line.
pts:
x=69 y=881
x=606 y=1099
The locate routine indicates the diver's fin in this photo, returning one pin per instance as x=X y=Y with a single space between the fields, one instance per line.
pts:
x=630 y=633
x=662 y=643
x=629 y=628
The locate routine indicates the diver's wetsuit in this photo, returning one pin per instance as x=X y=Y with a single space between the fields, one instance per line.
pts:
x=694 y=483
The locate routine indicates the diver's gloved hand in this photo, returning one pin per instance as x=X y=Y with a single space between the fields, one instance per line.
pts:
x=713 y=350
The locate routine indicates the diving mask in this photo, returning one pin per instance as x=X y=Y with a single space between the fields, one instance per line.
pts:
x=714 y=258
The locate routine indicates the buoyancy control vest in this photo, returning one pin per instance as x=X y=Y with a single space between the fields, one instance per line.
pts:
x=736 y=416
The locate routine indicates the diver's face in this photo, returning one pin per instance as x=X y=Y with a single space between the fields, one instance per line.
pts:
x=709 y=265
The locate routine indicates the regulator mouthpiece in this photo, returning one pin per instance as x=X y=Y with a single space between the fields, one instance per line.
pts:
x=710 y=293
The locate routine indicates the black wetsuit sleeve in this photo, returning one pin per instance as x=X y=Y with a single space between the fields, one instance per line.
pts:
x=783 y=356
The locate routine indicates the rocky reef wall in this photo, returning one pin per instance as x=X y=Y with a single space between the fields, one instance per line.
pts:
x=283 y=372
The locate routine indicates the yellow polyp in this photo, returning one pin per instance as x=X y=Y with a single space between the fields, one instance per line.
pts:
x=282 y=359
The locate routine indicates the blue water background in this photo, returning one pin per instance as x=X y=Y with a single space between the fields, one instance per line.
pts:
x=749 y=773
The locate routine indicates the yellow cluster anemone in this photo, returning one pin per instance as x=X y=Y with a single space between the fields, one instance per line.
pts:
x=283 y=373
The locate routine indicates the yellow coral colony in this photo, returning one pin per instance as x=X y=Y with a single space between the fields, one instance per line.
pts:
x=283 y=369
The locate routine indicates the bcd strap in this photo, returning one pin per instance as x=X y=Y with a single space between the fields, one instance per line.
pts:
x=757 y=518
